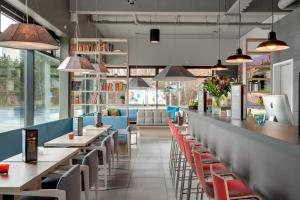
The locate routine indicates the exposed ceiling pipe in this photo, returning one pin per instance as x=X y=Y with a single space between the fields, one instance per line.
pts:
x=288 y=4
x=135 y=19
x=256 y=24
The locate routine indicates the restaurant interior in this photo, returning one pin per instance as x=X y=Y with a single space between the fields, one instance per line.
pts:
x=149 y=100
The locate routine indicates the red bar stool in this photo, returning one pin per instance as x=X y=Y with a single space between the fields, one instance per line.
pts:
x=205 y=156
x=203 y=172
x=232 y=189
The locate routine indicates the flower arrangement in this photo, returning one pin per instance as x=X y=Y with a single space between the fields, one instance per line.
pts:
x=218 y=86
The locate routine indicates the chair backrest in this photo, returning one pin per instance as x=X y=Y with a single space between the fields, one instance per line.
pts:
x=188 y=152
x=115 y=139
x=91 y=160
x=106 y=142
x=70 y=182
x=199 y=170
x=220 y=186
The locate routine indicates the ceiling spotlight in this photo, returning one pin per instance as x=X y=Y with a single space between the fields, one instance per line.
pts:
x=131 y=2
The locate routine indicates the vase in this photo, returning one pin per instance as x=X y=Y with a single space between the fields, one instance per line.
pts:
x=216 y=105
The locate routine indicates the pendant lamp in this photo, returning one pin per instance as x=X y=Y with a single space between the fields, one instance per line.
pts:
x=219 y=66
x=272 y=44
x=76 y=64
x=27 y=36
x=154 y=36
x=239 y=57
x=100 y=69
x=138 y=83
x=174 y=73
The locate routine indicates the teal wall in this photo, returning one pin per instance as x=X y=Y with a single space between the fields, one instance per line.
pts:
x=11 y=141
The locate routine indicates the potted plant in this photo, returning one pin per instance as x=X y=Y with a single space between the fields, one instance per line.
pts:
x=218 y=88
x=122 y=99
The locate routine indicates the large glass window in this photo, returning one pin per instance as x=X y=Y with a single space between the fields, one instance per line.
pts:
x=11 y=89
x=11 y=84
x=46 y=85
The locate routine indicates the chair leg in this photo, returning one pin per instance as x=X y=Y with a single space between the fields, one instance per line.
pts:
x=182 y=180
x=96 y=189
x=190 y=184
x=197 y=194
x=178 y=174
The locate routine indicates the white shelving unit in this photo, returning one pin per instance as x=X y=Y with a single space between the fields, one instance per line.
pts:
x=87 y=92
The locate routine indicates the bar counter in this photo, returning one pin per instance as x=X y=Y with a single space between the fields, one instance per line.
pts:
x=267 y=157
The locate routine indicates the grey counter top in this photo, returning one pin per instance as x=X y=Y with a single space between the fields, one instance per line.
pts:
x=273 y=130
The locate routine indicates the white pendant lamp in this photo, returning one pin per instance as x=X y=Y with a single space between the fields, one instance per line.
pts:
x=272 y=44
x=174 y=73
x=27 y=36
x=100 y=69
x=239 y=57
x=76 y=64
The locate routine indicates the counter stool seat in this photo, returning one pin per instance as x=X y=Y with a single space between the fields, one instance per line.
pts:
x=236 y=188
x=218 y=168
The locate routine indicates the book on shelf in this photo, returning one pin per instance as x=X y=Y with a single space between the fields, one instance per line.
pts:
x=76 y=85
x=93 y=98
x=117 y=86
x=106 y=47
x=76 y=99
x=86 y=46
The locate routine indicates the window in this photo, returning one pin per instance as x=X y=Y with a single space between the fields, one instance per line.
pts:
x=11 y=89
x=11 y=84
x=46 y=85
x=6 y=21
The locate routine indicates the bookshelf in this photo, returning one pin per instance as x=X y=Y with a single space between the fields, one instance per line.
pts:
x=94 y=92
x=258 y=76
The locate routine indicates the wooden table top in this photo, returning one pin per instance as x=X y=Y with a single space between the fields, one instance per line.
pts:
x=48 y=155
x=79 y=141
x=23 y=175
x=93 y=128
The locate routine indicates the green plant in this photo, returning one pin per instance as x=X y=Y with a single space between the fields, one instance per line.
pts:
x=218 y=86
x=122 y=97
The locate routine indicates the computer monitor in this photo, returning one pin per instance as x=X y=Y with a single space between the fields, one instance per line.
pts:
x=278 y=109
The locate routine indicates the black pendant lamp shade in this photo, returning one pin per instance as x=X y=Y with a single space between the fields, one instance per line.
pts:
x=272 y=44
x=219 y=66
x=27 y=36
x=154 y=35
x=138 y=83
x=174 y=73
x=239 y=57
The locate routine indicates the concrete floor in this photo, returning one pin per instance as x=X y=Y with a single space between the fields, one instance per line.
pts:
x=145 y=177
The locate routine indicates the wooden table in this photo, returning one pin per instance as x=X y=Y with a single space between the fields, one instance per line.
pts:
x=25 y=176
x=79 y=141
x=93 y=128
x=49 y=155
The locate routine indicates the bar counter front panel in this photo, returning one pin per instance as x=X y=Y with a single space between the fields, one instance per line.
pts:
x=267 y=158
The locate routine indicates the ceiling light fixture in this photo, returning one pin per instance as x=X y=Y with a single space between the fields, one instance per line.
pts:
x=138 y=83
x=76 y=64
x=154 y=36
x=272 y=44
x=27 y=36
x=174 y=73
x=239 y=57
x=219 y=66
